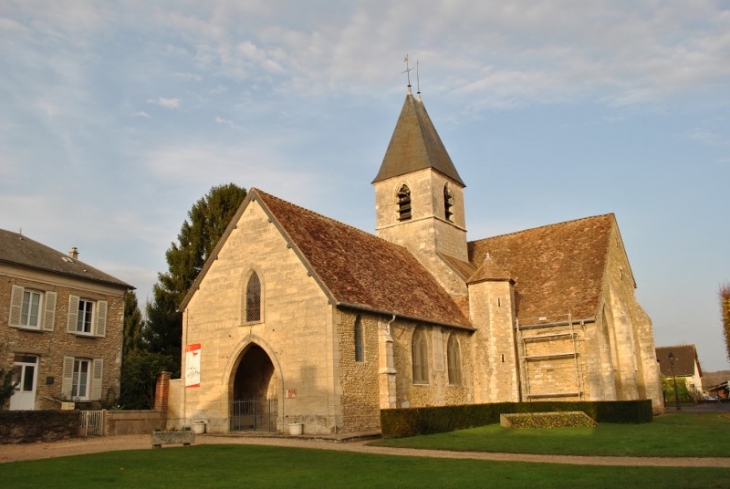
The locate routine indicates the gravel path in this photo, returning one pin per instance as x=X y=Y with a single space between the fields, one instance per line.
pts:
x=35 y=451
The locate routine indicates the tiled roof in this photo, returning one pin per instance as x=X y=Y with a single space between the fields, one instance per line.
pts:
x=23 y=251
x=362 y=270
x=463 y=268
x=558 y=269
x=489 y=271
x=415 y=145
x=685 y=357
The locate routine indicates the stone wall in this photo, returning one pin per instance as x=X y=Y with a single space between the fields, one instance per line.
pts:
x=132 y=422
x=492 y=314
x=359 y=380
x=36 y=426
x=296 y=330
x=438 y=391
x=427 y=232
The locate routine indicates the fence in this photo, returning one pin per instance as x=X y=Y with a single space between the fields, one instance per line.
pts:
x=92 y=423
x=253 y=415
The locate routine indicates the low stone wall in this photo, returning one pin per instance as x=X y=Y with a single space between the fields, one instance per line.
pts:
x=132 y=422
x=34 y=426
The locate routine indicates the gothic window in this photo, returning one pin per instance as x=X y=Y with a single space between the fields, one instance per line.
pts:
x=420 y=357
x=448 y=203
x=253 y=298
x=359 y=341
x=453 y=357
x=404 y=203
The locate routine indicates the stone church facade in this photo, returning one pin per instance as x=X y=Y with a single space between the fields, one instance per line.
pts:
x=297 y=318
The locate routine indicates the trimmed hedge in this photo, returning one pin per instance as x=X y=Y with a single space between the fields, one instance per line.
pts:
x=399 y=423
x=32 y=426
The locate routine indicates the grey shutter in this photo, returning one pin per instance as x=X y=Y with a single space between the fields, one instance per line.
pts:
x=96 y=377
x=68 y=377
x=101 y=308
x=73 y=313
x=16 y=305
x=49 y=317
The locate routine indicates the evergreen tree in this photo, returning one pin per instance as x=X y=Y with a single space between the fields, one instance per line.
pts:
x=199 y=234
x=725 y=311
x=133 y=324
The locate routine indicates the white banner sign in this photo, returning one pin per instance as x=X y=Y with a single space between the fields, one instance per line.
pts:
x=192 y=365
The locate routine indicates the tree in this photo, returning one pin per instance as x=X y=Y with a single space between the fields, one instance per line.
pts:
x=139 y=377
x=725 y=310
x=208 y=218
x=133 y=324
x=7 y=385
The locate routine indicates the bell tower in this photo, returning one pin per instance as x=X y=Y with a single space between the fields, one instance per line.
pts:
x=419 y=195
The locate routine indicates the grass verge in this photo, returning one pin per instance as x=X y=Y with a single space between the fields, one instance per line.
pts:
x=223 y=466
x=671 y=435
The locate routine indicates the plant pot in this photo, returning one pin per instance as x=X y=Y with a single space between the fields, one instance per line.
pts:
x=198 y=427
x=296 y=429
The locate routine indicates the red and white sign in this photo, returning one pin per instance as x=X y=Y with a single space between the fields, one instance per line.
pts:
x=192 y=365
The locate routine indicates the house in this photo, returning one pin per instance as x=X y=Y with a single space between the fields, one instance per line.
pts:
x=682 y=361
x=61 y=325
x=299 y=319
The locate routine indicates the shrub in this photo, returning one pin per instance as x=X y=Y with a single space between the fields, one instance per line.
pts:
x=398 y=423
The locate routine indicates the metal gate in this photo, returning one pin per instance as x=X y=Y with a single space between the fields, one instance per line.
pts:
x=92 y=423
x=253 y=415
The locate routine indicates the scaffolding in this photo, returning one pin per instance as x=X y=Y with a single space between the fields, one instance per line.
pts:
x=527 y=361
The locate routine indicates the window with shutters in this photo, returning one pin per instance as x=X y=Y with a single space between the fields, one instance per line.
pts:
x=82 y=378
x=80 y=382
x=32 y=309
x=419 y=357
x=453 y=359
x=30 y=313
x=84 y=319
x=253 y=299
x=87 y=317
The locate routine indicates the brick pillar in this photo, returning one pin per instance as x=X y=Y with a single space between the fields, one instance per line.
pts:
x=162 y=392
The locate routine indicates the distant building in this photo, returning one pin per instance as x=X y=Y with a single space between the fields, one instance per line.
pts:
x=61 y=325
x=685 y=365
x=297 y=318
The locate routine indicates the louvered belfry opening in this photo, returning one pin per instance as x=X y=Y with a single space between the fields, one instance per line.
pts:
x=404 y=203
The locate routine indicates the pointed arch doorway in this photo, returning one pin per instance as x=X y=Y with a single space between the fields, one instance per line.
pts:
x=254 y=402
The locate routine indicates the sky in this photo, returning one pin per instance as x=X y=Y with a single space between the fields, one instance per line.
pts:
x=117 y=116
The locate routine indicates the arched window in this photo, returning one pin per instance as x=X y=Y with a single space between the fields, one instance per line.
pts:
x=419 y=355
x=404 y=203
x=253 y=298
x=448 y=203
x=359 y=341
x=453 y=358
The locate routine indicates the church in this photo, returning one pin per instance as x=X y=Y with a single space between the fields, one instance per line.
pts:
x=298 y=319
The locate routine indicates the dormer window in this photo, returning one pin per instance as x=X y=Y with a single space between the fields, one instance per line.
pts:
x=448 y=203
x=404 y=203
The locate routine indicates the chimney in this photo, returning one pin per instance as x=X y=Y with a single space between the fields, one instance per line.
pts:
x=74 y=253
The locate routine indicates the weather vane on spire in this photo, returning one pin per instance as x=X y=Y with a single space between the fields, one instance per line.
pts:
x=408 y=70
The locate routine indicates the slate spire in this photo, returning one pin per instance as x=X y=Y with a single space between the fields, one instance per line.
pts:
x=415 y=145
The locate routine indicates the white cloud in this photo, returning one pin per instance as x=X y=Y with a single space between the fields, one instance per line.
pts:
x=167 y=103
x=229 y=123
x=188 y=76
x=142 y=114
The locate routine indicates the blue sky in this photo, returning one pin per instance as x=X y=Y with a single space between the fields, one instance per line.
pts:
x=117 y=116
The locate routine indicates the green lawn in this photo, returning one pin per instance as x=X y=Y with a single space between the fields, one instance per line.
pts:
x=220 y=466
x=671 y=435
